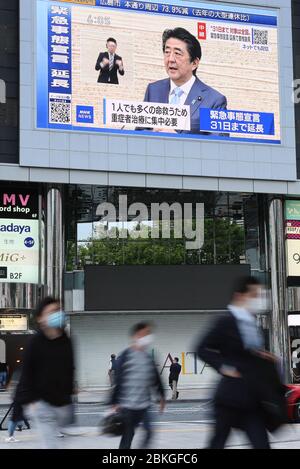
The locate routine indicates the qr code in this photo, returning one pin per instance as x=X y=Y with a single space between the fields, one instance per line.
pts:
x=260 y=36
x=60 y=113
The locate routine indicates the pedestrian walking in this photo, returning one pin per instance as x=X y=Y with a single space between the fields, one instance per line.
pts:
x=234 y=347
x=175 y=370
x=3 y=376
x=17 y=415
x=16 y=420
x=47 y=379
x=112 y=369
x=136 y=376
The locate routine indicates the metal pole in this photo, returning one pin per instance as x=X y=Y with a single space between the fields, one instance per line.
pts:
x=279 y=326
x=55 y=247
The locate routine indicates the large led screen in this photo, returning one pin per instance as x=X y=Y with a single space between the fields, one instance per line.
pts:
x=181 y=69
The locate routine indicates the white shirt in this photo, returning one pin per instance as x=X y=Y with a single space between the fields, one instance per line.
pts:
x=186 y=88
x=242 y=314
x=246 y=323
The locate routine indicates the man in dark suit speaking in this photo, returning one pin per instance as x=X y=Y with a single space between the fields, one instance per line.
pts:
x=182 y=54
x=109 y=64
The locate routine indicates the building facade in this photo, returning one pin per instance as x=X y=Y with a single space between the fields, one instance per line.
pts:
x=72 y=170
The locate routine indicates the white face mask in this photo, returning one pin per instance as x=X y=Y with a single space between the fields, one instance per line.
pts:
x=254 y=305
x=146 y=341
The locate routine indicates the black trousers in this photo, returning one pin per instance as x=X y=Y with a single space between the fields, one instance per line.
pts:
x=251 y=422
x=132 y=418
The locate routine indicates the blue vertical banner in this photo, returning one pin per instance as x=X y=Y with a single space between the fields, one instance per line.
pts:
x=59 y=63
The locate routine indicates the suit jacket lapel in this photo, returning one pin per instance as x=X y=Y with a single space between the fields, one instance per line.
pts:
x=195 y=96
x=164 y=91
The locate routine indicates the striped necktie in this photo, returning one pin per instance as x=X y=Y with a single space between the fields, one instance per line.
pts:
x=175 y=95
x=111 y=61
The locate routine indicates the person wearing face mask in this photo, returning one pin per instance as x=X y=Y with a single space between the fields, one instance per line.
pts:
x=234 y=347
x=136 y=375
x=47 y=380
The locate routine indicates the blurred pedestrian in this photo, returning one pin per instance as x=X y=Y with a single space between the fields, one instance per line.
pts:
x=16 y=420
x=112 y=369
x=17 y=415
x=47 y=379
x=136 y=376
x=175 y=370
x=3 y=376
x=231 y=347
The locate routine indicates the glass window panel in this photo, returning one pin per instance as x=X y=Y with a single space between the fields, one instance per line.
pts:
x=224 y=231
x=84 y=231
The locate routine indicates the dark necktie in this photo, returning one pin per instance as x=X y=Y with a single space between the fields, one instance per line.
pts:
x=111 y=62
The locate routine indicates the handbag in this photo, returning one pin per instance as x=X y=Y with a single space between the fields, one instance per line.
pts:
x=269 y=392
x=113 y=424
x=274 y=413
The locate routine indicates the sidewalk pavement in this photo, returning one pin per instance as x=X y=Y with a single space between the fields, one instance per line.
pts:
x=88 y=396
x=100 y=395
x=167 y=435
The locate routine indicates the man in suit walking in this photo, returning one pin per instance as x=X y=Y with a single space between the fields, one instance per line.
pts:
x=182 y=54
x=110 y=64
x=231 y=348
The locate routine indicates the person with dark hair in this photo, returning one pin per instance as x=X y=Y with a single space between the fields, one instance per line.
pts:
x=136 y=376
x=47 y=379
x=182 y=55
x=234 y=347
x=175 y=370
x=112 y=369
x=110 y=64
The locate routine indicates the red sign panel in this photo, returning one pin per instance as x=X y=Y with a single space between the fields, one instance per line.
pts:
x=201 y=30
